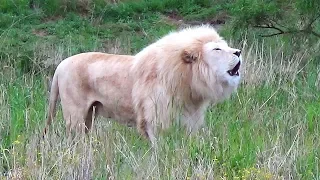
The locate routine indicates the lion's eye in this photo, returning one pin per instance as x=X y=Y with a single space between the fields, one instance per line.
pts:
x=217 y=49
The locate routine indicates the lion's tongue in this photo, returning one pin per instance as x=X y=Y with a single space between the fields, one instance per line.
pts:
x=236 y=68
x=234 y=71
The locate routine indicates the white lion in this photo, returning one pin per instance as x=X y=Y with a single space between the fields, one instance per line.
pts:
x=175 y=78
x=181 y=74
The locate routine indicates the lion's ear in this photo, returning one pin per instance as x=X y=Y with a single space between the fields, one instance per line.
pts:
x=189 y=56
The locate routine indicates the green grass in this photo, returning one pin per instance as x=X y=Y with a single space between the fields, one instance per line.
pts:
x=264 y=132
x=269 y=129
x=27 y=38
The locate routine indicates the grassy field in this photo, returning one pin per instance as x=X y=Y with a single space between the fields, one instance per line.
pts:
x=269 y=129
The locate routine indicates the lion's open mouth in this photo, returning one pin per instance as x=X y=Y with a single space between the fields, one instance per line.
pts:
x=235 y=70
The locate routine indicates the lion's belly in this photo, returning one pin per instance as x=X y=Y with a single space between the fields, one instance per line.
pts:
x=120 y=110
x=126 y=118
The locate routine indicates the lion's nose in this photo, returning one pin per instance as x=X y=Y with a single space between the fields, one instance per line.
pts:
x=237 y=53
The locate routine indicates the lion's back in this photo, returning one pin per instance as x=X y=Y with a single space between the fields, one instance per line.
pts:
x=89 y=71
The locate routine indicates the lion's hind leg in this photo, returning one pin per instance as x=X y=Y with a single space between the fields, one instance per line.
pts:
x=75 y=117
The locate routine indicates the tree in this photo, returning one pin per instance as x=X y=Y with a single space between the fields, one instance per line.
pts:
x=278 y=17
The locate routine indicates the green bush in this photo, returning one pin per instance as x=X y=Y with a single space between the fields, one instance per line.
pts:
x=298 y=18
x=15 y=7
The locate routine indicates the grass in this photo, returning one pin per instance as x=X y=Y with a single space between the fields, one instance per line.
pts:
x=269 y=129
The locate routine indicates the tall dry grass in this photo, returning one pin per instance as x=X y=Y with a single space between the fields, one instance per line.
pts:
x=260 y=133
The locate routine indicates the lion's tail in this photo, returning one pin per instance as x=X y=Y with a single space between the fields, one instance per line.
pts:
x=54 y=93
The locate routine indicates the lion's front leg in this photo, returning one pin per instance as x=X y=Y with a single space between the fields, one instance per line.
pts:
x=193 y=119
x=144 y=125
x=145 y=129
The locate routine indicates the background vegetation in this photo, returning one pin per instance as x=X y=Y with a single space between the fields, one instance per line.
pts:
x=269 y=129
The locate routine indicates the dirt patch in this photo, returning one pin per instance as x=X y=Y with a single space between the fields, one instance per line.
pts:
x=174 y=15
x=52 y=19
x=219 y=19
x=40 y=32
x=174 y=18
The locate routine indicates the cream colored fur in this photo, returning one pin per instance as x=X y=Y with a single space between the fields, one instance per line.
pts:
x=90 y=80
x=178 y=76
x=175 y=78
